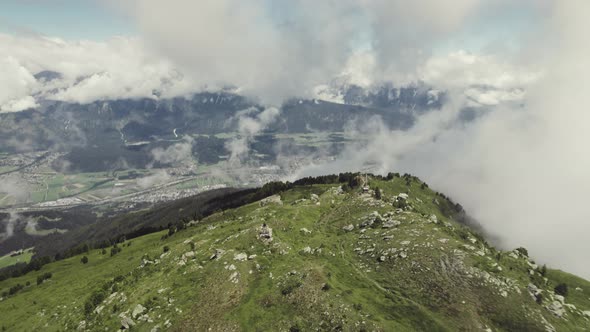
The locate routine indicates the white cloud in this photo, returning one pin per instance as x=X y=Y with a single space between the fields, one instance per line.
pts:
x=461 y=69
x=245 y=43
x=175 y=154
x=521 y=171
x=250 y=122
x=15 y=187
x=404 y=31
x=157 y=178
x=188 y=46
x=118 y=68
x=16 y=85
x=18 y=105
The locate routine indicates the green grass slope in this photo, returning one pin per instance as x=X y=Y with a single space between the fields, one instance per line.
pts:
x=8 y=260
x=402 y=266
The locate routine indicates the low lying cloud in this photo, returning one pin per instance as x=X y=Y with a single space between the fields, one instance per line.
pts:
x=157 y=178
x=521 y=170
x=15 y=187
x=9 y=226
x=175 y=154
x=82 y=71
x=250 y=122
x=17 y=86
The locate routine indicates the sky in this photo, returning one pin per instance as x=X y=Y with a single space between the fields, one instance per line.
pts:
x=520 y=169
x=100 y=20
x=67 y=19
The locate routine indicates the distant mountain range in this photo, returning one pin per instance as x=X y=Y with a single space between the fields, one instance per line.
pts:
x=100 y=134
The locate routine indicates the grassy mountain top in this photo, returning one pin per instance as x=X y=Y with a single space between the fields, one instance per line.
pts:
x=311 y=258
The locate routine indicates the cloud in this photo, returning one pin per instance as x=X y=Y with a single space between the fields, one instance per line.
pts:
x=17 y=83
x=461 y=69
x=267 y=51
x=15 y=187
x=275 y=52
x=404 y=32
x=159 y=177
x=250 y=122
x=521 y=170
x=12 y=221
x=175 y=154
x=89 y=71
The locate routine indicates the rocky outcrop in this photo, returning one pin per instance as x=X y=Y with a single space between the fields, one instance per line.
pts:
x=305 y=230
x=240 y=257
x=274 y=199
x=265 y=233
x=218 y=253
x=81 y=326
x=138 y=310
x=534 y=291
x=390 y=223
x=556 y=308
x=126 y=323
x=433 y=219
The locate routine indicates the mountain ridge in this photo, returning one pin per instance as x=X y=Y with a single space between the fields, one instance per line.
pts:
x=313 y=256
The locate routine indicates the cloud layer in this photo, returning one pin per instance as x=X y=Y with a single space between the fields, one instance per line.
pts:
x=267 y=51
x=88 y=71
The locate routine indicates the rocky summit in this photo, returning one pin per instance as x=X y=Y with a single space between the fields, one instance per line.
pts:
x=392 y=255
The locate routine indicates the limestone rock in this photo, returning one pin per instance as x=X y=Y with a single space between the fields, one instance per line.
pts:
x=138 y=310
x=187 y=255
x=305 y=230
x=556 y=308
x=433 y=219
x=348 y=228
x=391 y=223
x=81 y=326
x=274 y=199
x=265 y=233
x=127 y=323
x=240 y=257
x=218 y=253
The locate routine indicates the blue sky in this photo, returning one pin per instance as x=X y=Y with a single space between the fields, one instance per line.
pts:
x=68 y=19
x=92 y=19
